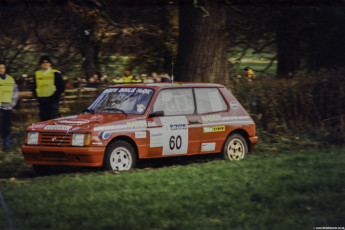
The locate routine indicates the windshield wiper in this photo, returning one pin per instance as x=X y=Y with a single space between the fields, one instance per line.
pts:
x=89 y=111
x=116 y=110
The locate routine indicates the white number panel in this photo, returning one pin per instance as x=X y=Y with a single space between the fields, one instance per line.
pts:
x=175 y=135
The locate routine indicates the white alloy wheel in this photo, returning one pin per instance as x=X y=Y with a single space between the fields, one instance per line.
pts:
x=120 y=156
x=235 y=148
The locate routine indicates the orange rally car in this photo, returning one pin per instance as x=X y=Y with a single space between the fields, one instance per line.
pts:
x=135 y=121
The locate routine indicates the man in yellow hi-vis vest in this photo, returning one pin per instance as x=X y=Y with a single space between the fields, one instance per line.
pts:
x=47 y=88
x=127 y=77
x=8 y=99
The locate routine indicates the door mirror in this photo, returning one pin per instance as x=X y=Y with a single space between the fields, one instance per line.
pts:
x=159 y=113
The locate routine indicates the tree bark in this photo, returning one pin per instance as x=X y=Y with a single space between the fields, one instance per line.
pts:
x=202 y=55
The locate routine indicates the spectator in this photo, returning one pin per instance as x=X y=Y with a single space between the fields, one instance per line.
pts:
x=165 y=77
x=118 y=79
x=93 y=81
x=144 y=78
x=76 y=83
x=96 y=78
x=68 y=84
x=155 y=77
x=127 y=77
x=104 y=80
x=48 y=86
x=136 y=79
x=82 y=82
x=8 y=99
x=249 y=73
x=150 y=79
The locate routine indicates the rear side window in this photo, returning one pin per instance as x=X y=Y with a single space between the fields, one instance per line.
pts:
x=209 y=100
x=175 y=102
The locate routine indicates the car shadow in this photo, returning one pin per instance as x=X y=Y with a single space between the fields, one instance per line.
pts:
x=146 y=164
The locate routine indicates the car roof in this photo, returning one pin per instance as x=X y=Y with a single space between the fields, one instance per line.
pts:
x=170 y=85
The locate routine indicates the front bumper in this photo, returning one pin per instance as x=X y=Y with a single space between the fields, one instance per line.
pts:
x=72 y=156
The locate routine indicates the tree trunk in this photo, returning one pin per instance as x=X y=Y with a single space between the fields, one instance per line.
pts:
x=202 y=50
x=288 y=43
x=90 y=59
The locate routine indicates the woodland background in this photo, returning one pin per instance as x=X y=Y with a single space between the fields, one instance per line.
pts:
x=295 y=48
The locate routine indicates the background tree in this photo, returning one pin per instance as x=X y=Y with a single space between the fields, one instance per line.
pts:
x=202 y=47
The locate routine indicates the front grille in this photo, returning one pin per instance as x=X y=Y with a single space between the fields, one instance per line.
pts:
x=55 y=139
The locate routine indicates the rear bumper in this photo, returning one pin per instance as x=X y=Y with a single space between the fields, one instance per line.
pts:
x=73 y=156
x=253 y=141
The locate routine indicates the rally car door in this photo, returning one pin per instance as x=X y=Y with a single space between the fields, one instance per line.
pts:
x=173 y=126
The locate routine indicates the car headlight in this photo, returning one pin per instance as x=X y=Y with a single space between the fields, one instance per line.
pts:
x=32 y=138
x=81 y=139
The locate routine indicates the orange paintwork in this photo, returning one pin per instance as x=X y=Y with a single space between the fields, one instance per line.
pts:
x=204 y=133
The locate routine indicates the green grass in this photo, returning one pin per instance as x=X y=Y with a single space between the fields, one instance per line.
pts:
x=281 y=191
x=258 y=62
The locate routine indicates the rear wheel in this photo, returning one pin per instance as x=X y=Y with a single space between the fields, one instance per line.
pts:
x=120 y=156
x=235 y=147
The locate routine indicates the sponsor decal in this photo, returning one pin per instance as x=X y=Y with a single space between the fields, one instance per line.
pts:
x=104 y=135
x=178 y=126
x=140 y=108
x=214 y=117
x=137 y=124
x=97 y=143
x=57 y=127
x=206 y=147
x=151 y=124
x=127 y=90
x=140 y=134
x=234 y=118
x=214 y=129
x=74 y=122
x=69 y=117
x=234 y=105
x=144 y=91
x=156 y=137
x=111 y=90
x=110 y=127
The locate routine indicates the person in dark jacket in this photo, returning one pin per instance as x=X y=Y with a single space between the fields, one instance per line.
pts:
x=47 y=89
x=8 y=99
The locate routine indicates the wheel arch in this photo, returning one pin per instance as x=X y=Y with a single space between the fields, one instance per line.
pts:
x=128 y=140
x=243 y=133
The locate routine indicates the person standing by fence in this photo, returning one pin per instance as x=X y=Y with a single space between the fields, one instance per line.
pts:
x=8 y=99
x=47 y=89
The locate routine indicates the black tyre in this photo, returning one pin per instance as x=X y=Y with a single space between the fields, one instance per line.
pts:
x=235 y=147
x=120 y=156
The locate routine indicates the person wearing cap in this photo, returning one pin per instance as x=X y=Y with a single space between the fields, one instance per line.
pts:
x=47 y=89
x=8 y=99
x=118 y=79
x=136 y=79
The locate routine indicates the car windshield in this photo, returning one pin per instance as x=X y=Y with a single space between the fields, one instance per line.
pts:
x=126 y=100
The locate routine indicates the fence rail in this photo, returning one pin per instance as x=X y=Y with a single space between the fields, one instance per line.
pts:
x=72 y=101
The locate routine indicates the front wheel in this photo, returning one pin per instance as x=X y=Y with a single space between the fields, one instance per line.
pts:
x=235 y=147
x=120 y=156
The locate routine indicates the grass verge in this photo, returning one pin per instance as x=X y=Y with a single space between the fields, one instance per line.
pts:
x=281 y=191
